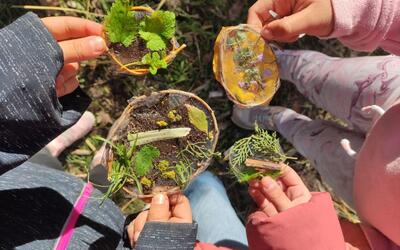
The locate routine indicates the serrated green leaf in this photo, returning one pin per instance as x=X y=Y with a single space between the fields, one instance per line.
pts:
x=160 y=22
x=120 y=24
x=144 y=160
x=198 y=118
x=157 y=29
x=154 y=42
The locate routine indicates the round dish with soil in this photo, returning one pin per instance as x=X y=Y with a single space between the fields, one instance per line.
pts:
x=245 y=65
x=140 y=40
x=160 y=143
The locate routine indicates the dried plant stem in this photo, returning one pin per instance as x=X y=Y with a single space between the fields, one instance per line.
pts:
x=36 y=7
x=160 y=5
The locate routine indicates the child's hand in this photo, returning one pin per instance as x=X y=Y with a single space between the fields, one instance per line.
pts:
x=273 y=197
x=313 y=17
x=80 y=40
x=175 y=209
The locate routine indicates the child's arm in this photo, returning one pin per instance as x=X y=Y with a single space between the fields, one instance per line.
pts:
x=290 y=217
x=367 y=24
x=359 y=24
x=33 y=76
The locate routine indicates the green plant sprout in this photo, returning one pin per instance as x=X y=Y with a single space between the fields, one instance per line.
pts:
x=154 y=61
x=121 y=170
x=260 y=145
x=156 y=30
x=120 y=23
x=183 y=172
x=143 y=160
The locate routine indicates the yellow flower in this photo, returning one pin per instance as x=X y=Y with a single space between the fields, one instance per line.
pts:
x=174 y=116
x=146 y=182
x=163 y=165
x=162 y=124
x=169 y=175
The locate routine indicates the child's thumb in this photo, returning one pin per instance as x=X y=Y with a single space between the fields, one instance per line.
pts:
x=159 y=209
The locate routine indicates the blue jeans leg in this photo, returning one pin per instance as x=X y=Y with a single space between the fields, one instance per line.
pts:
x=217 y=220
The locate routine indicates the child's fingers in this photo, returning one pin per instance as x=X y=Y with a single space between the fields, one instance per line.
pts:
x=67 y=87
x=138 y=225
x=63 y=28
x=181 y=211
x=285 y=28
x=274 y=193
x=69 y=70
x=258 y=13
x=159 y=209
x=313 y=20
x=263 y=204
x=290 y=179
x=254 y=183
x=83 y=48
x=131 y=233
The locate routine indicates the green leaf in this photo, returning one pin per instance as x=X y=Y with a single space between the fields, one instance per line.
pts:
x=160 y=22
x=157 y=29
x=154 y=61
x=154 y=42
x=120 y=23
x=248 y=174
x=197 y=118
x=144 y=160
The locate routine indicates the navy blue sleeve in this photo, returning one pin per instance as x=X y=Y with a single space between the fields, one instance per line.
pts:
x=31 y=115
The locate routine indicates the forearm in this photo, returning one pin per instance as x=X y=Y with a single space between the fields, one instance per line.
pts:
x=31 y=115
x=367 y=24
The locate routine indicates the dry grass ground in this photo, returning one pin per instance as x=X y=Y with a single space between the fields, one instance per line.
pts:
x=199 y=21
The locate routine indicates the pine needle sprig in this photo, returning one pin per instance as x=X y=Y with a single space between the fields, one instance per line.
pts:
x=260 y=145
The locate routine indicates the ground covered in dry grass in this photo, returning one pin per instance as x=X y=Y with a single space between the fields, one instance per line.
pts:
x=199 y=21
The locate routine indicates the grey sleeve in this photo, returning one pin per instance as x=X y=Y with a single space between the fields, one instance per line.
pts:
x=31 y=115
x=159 y=235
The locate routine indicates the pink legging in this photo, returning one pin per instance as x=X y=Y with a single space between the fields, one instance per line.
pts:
x=343 y=87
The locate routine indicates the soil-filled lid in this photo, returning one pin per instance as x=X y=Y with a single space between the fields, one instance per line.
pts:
x=170 y=137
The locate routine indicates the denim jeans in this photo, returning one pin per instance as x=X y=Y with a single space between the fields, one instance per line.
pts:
x=217 y=220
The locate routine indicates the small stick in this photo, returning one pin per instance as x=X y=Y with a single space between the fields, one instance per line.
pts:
x=261 y=164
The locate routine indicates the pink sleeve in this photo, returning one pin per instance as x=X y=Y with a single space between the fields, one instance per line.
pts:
x=313 y=225
x=368 y=24
x=377 y=240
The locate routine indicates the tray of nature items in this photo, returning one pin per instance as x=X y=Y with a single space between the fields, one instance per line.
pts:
x=256 y=156
x=160 y=143
x=140 y=39
x=245 y=65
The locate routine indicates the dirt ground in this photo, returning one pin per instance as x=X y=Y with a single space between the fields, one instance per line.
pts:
x=199 y=21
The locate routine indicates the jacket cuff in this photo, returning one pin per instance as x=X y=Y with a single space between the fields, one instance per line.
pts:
x=159 y=235
x=313 y=225
x=361 y=24
x=31 y=114
x=376 y=239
